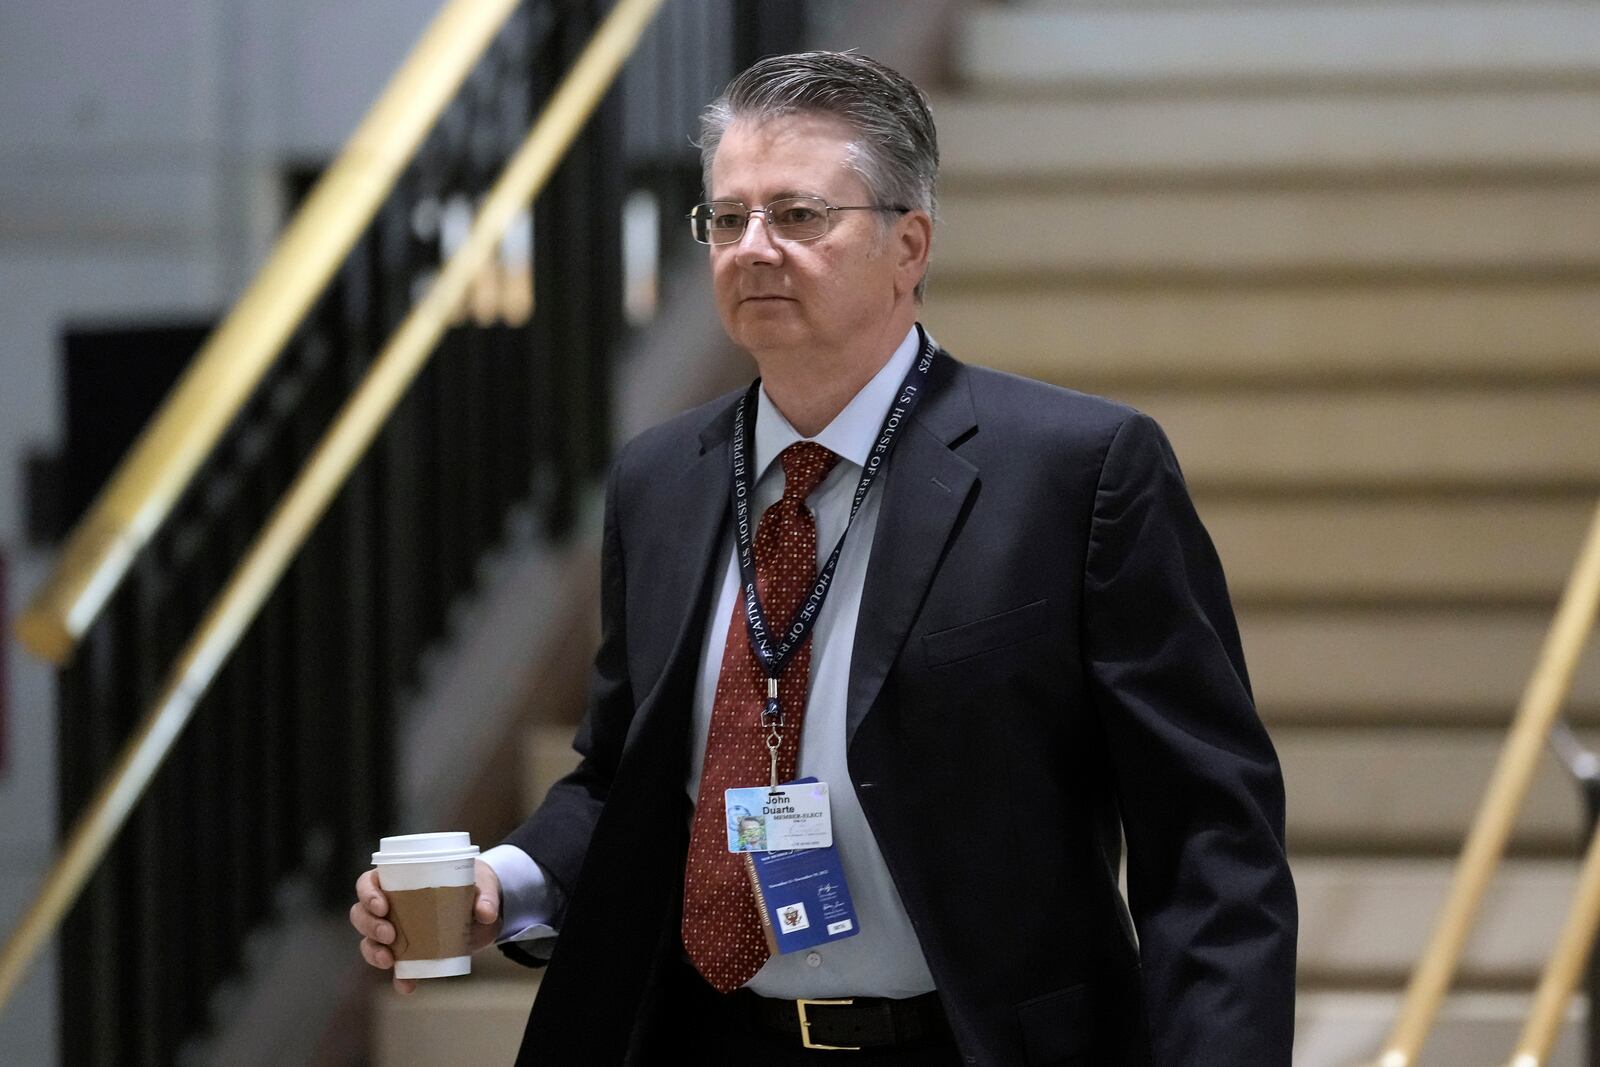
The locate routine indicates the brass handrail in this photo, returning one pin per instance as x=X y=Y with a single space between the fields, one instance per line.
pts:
x=336 y=455
x=226 y=370
x=1547 y=689
x=1565 y=968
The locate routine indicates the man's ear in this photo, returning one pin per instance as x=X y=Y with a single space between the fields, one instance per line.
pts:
x=911 y=245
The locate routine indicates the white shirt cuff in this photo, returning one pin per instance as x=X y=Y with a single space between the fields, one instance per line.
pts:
x=528 y=901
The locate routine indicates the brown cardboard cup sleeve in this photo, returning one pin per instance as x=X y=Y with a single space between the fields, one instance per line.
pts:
x=432 y=924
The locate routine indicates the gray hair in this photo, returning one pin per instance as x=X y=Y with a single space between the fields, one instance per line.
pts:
x=897 y=153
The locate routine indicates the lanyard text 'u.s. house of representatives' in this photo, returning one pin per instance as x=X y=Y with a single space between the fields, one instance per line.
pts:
x=774 y=657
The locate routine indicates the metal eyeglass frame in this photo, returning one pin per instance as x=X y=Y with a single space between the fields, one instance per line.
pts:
x=773 y=228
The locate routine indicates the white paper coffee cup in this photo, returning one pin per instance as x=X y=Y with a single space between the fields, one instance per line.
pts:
x=423 y=876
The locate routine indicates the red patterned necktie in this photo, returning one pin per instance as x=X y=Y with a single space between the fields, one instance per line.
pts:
x=721 y=926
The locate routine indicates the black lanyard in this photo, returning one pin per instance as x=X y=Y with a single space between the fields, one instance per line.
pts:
x=774 y=659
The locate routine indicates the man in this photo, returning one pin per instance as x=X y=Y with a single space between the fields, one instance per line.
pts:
x=1021 y=652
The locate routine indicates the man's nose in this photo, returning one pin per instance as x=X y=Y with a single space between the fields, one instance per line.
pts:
x=757 y=245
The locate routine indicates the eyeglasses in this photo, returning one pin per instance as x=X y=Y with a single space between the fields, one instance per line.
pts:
x=793 y=218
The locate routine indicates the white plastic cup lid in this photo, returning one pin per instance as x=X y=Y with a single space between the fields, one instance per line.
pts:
x=425 y=848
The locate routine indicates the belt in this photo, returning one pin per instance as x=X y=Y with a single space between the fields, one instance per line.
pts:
x=851 y=1023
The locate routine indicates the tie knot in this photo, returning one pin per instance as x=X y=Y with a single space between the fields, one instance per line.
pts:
x=805 y=464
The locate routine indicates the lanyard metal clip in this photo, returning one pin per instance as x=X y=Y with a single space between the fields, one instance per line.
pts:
x=772 y=711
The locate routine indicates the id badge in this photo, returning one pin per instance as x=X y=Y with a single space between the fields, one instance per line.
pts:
x=803 y=898
x=787 y=818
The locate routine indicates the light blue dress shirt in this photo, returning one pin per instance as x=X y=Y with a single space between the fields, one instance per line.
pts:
x=884 y=959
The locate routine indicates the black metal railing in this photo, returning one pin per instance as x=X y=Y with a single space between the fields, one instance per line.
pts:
x=286 y=773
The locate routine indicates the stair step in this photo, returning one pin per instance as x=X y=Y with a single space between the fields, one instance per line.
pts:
x=1532 y=438
x=454 y=1020
x=1365 y=921
x=1389 y=789
x=1338 y=232
x=1405 y=550
x=1422 y=666
x=1028 y=46
x=1343 y=1028
x=1101 y=337
x=1148 y=139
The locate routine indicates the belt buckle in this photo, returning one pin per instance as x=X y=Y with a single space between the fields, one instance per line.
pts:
x=805 y=1024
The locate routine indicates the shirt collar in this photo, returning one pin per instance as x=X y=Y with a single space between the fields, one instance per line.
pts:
x=852 y=432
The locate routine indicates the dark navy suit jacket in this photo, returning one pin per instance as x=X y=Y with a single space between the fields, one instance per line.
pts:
x=1045 y=651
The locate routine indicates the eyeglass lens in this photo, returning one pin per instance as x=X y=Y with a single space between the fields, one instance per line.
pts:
x=795 y=218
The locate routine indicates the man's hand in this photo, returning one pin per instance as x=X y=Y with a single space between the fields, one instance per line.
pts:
x=368 y=913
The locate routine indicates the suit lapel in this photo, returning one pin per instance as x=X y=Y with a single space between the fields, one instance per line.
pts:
x=687 y=562
x=925 y=488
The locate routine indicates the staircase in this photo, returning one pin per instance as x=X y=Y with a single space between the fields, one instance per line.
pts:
x=1349 y=255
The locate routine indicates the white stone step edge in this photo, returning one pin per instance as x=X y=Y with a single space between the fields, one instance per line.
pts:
x=1391 y=788
x=1485 y=438
x=1031 y=46
x=1532 y=228
x=1371 y=135
x=1369 y=919
x=1398 y=549
x=1348 y=665
x=1271 y=333
x=1335 y=1028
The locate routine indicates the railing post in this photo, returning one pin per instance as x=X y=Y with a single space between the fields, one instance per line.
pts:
x=1584 y=766
x=1590 y=784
